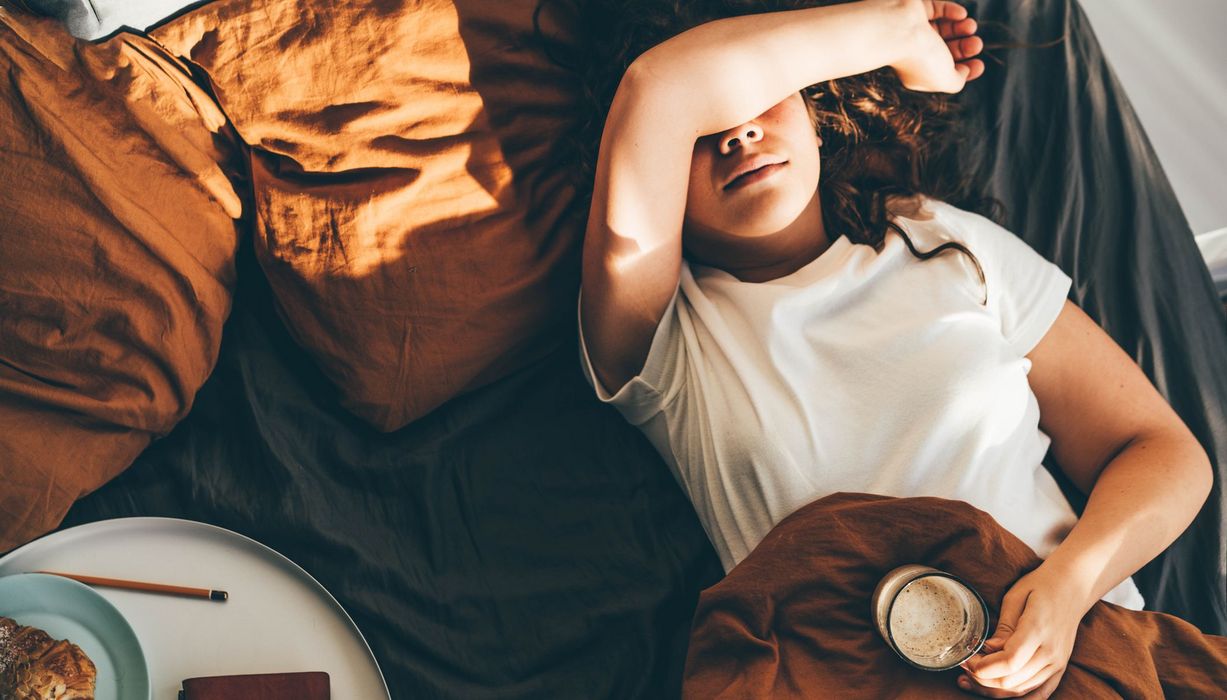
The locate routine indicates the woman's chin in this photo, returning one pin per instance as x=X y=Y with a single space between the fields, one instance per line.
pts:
x=764 y=222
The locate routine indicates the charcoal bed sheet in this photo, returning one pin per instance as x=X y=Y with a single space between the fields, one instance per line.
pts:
x=523 y=541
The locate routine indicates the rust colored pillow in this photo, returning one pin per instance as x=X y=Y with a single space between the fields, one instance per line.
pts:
x=117 y=242
x=416 y=242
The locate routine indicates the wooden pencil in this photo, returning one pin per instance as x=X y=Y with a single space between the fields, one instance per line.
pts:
x=220 y=596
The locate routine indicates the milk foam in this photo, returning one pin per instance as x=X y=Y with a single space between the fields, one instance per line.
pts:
x=929 y=618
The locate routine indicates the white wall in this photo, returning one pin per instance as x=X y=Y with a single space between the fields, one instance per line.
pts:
x=1172 y=59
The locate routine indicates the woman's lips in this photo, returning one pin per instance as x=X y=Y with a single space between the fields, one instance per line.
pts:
x=754 y=176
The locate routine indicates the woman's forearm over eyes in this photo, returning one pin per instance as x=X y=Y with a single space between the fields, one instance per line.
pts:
x=725 y=72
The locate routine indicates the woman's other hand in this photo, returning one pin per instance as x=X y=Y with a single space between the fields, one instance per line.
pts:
x=942 y=55
x=1028 y=652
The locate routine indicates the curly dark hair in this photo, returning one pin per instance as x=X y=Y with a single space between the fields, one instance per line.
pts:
x=881 y=141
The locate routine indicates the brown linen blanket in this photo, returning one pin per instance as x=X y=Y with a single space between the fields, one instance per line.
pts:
x=792 y=619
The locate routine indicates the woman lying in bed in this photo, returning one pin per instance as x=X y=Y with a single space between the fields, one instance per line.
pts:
x=781 y=335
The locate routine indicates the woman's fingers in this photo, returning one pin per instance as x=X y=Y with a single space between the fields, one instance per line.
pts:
x=975 y=69
x=1019 y=650
x=1037 y=679
x=1041 y=685
x=1049 y=687
x=965 y=48
x=953 y=30
x=970 y=685
x=929 y=70
x=962 y=49
x=1029 y=677
x=943 y=9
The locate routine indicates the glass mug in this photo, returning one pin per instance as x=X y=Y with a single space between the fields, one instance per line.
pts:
x=930 y=618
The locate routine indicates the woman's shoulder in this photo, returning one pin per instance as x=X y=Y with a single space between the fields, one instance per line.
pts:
x=937 y=212
x=931 y=222
x=916 y=207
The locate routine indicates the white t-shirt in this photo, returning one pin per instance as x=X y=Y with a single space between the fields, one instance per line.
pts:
x=864 y=372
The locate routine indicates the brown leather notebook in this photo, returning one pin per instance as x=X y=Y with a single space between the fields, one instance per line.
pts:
x=309 y=685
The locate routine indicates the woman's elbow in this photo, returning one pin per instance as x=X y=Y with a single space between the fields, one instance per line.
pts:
x=1206 y=473
x=1199 y=479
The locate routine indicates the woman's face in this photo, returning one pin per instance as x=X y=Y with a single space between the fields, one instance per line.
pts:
x=769 y=199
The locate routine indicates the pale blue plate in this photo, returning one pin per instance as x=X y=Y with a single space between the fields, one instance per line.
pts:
x=70 y=610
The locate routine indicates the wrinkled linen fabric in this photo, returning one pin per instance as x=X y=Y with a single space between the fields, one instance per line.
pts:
x=522 y=541
x=793 y=619
x=417 y=245
x=117 y=241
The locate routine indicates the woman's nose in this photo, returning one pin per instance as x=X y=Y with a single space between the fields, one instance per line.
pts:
x=749 y=132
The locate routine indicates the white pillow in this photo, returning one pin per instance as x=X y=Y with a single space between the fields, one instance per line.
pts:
x=94 y=19
x=1213 y=245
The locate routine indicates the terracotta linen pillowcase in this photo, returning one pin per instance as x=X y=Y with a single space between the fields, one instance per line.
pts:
x=417 y=243
x=117 y=249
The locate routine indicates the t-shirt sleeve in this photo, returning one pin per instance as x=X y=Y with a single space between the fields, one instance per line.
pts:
x=647 y=393
x=1025 y=290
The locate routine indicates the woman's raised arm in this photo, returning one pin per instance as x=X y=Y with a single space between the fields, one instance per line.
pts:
x=729 y=71
x=703 y=81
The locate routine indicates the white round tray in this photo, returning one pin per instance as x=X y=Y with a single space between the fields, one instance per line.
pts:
x=278 y=619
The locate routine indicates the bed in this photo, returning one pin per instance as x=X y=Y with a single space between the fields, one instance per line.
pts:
x=493 y=530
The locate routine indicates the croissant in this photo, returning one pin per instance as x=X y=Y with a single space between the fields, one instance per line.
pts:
x=33 y=666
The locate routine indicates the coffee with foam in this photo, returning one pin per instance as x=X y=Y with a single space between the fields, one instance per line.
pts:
x=929 y=618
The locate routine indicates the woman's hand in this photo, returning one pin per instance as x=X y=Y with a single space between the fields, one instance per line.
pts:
x=1030 y=648
x=942 y=56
